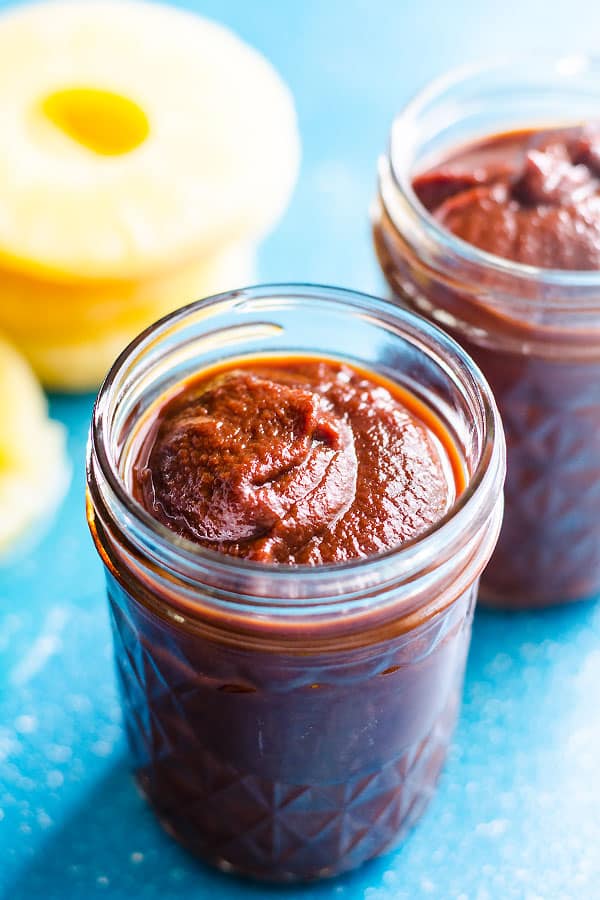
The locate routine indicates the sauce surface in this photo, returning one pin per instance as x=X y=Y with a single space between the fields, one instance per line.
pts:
x=531 y=196
x=295 y=460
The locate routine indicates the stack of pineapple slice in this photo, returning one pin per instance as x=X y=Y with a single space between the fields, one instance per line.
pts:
x=143 y=153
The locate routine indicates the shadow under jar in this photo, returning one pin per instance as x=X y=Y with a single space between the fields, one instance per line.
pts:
x=289 y=722
x=533 y=330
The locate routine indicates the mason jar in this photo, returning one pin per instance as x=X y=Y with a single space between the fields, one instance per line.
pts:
x=290 y=722
x=535 y=332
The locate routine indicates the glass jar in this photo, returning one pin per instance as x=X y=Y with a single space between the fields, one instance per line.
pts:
x=534 y=332
x=290 y=722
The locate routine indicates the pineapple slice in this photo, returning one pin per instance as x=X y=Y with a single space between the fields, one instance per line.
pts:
x=71 y=334
x=134 y=137
x=33 y=465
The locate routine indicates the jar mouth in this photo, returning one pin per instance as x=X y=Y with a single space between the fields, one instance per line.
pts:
x=276 y=582
x=403 y=154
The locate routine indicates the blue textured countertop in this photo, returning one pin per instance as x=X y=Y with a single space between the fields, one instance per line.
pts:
x=517 y=814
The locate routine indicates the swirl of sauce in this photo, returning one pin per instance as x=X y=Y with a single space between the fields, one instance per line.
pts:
x=305 y=463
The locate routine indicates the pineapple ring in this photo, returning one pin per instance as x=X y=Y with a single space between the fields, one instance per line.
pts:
x=71 y=335
x=34 y=472
x=47 y=310
x=134 y=137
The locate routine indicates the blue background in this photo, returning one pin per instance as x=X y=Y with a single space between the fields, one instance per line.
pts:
x=517 y=814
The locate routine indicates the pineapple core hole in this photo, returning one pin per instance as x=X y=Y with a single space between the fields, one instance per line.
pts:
x=106 y=123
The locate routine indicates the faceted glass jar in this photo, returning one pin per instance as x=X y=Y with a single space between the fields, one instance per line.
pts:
x=285 y=722
x=534 y=332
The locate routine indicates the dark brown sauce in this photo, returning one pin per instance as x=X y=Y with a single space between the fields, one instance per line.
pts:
x=295 y=460
x=531 y=196
x=290 y=747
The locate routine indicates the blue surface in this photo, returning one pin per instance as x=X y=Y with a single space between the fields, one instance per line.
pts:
x=517 y=814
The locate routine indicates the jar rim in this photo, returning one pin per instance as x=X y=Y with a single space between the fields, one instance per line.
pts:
x=485 y=482
x=399 y=148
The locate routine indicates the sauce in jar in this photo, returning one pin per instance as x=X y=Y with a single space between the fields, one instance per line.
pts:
x=297 y=461
x=292 y=545
x=497 y=239
x=532 y=196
